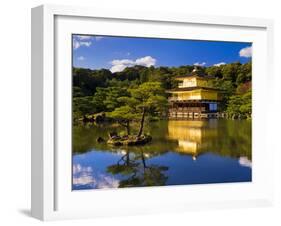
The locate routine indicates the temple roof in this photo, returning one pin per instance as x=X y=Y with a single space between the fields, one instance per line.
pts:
x=192 y=88
x=195 y=73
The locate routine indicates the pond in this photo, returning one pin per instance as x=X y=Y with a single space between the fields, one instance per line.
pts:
x=180 y=153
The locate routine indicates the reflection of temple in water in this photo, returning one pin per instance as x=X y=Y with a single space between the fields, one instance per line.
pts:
x=193 y=137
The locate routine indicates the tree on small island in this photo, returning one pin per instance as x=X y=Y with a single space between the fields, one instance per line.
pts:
x=123 y=115
x=147 y=99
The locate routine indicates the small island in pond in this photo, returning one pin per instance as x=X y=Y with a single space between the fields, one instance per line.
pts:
x=146 y=111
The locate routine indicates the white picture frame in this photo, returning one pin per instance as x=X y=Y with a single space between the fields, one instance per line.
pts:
x=51 y=197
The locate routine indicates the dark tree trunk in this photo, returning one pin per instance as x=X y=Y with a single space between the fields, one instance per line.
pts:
x=143 y=162
x=141 y=123
x=128 y=158
x=128 y=128
x=126 y=124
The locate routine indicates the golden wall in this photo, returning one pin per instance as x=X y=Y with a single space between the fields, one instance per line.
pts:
x=193 y=82
x=197 y=95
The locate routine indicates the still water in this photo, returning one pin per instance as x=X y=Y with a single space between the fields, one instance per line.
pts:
x=181 y=152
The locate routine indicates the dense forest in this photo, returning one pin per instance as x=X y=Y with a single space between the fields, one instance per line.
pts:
x=137 y=91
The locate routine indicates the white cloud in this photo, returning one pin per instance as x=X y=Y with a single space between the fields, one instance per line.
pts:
x=244 y=161
x=77 y=168
x=88 y=37
x=85 y=175
x=246 y=52
x=219 y=64
x=120 y=65
x=118 y=68
x=81 y=58
x=124 y=61
x=84 y=40
x=200 y=64
x=107 y=182
x=77 y=44
x=98 y=38
x=83 y=180
x=83 y=37
x=146 y=61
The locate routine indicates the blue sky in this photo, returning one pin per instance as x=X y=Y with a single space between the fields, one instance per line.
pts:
x=116 y=53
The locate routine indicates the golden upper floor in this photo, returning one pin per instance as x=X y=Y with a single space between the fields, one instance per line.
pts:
x=194 y=94
x=194 y=86
x=192 y=81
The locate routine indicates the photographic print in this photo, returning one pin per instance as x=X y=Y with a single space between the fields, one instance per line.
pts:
x=160 y=112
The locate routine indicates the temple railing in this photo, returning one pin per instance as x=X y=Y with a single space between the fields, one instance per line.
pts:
x=178 y=99
x=191 y=99
x=187 y=110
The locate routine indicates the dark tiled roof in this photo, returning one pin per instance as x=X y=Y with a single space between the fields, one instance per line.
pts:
x=193 y=88
x=196 y=73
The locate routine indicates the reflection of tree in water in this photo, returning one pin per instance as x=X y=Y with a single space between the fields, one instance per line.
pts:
x=134 y=167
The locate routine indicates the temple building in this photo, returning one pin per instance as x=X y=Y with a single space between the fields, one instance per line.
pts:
x=194 y=98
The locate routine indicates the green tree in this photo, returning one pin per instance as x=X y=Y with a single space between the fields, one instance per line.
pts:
x=214 y=71
x=77 y=92
x=98 y=100
x=82 y=106
x=241 y=78
x=148 y=98
x=112 y=95
x=143 y=100
x=88 y=80
x=240 y=105
x=123 y=115
x=246 y=107
x=233 y=108
x=230 y=71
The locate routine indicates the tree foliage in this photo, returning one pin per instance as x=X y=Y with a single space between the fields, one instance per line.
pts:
x=146 y=99
x=141 y=89
x=240 y=105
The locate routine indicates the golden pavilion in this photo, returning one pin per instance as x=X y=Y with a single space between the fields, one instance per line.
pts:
x=194 y=98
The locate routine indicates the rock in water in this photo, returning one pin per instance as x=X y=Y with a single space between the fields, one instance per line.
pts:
x=100 y=140
x=112 y=135
x=129 y=141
